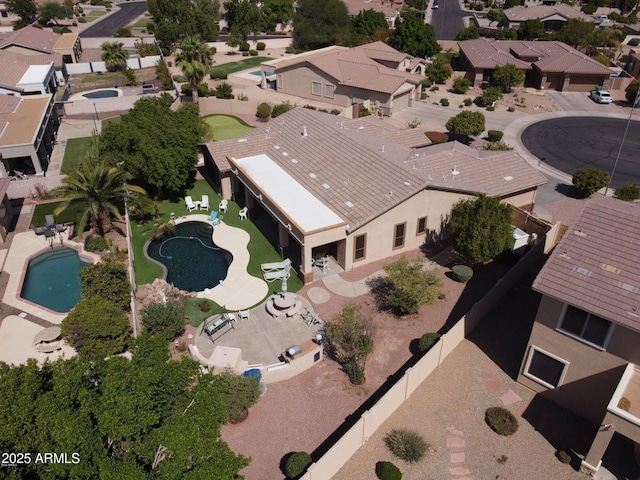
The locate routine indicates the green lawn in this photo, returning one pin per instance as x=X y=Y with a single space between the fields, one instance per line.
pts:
x=74 y=152
x=91 y=16
x=224 y=127
x=44 y=209
x=142 y=23
x=232 y=67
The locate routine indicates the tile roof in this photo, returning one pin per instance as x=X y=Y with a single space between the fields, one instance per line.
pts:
x=595 y=266
x=32 y=38
x=389 y=8
x=21 y=118
x=13 y=69
x=345 y=167
x=553 y=56
x=521 y=13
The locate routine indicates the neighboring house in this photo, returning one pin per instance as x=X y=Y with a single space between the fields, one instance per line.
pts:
x=553 y=17
x=584 y=348
x=548 y=65
x=19 y=77
x=359 y=190
x=373 y=74
x=390 y=8
x=633 y=64
x=28 y=125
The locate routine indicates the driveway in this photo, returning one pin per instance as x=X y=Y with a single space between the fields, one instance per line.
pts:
x=580 y=102
x=108 y=25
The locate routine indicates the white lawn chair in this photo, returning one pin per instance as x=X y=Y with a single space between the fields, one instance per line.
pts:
x=190 y=205
x=223 y=205
x=243 y=213
x=204 y=204
x=276 y=266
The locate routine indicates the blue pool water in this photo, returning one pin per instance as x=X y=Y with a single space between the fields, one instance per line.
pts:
x=258 y=73
x=193 y=261
x=52 y=279
x=102 y=94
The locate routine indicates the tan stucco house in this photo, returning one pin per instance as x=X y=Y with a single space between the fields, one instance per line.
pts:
x=382 y=78
x=553 y=17
x=547 y=65
x=358 y=190
x=584 y=348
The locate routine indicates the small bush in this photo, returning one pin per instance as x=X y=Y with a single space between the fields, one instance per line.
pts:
x=217 y=74
x=335 y=111
x=180 y=78
x=495 y=135
x=435 y=88
x=96 y=244
x=406 y=444
x=423 y=96
x=462 y=273
x=244 y=47
x=501 y=420
x=388 y=471
x=297 y=464
x=123 y=32
x=590 y=180
x=444 y=102
x=363 y=112
x=491 y=108
x=245 y=54
x=628 y=193
x=204 y=305
x=130 y=75
x=502 y=459
x=281 y=108
x=82 y=20
x=511 y=109
x=468 y=102
x=224 y=91
x=253 y=53
x=260 y=46
x=264 y=111
x=461 y=85
x=427 y=341
x=426 y=83
x=309 y=107
x=563 y=456
x=437 y=137
x=163 y=318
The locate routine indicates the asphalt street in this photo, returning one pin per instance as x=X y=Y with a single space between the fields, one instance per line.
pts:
x=571 y=143
x=447 y=19
x=107 y=26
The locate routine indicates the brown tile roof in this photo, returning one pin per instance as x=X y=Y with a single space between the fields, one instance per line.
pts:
x=389 y=8
x=66 y=40
x=553 y=56
x=32 y=38
x=21 y=118
x=13 y=68
x=595 y=266
x=345 y=168
x=522 y=13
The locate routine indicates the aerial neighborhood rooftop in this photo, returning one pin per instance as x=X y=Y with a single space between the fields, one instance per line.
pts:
x=237 y=244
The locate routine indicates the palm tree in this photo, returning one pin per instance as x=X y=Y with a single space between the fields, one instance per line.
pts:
x=99 y=189
x=113 y=55
x=194 y=59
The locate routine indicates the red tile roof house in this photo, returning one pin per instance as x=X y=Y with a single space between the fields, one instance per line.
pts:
x=375 y=74
x=548 y=65
x=584 y=348
x=553 y=17
x=360 y=190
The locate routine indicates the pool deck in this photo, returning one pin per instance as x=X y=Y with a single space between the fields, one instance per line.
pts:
x=24 y=246
x=239 y=290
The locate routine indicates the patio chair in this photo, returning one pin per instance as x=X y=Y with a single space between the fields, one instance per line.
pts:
x=49 y=221
x=321 y=263
x=190 y=205
x=244 y=314
x=243 y=213
x=274 y=266
x=204 y=204
x=223 y=205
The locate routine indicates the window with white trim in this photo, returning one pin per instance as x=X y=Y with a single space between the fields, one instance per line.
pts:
x=545 y=368
x=586 y=326
x=329 y=90
x=316 y=88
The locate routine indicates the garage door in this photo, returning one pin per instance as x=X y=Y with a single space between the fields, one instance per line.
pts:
x=401 y=101
x=582 y=83
x=554 y=81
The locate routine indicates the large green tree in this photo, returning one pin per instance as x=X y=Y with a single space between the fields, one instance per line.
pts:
x=109 y=280
x=320 y=23
x=466 y=123
x=468 y=33
x=276 y=12
x=194 y=59
x=576 y=33
x=114 y=55
x=97 y=188
x=531 y=30
x=52 y=11
x=25 y=9
x=176 y=19
x=414 y=37
x=481 y=229
x=439 y=71
x=507 y=76
x=156 y=145
x=495 y=15
x=370 y=26
x=244 y=18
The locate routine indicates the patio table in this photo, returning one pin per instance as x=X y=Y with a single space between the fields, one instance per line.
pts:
x=47 y=335
x=284 y=301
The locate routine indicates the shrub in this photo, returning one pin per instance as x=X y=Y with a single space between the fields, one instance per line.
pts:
x=501 y=420
x=123 y=32
x=204 y=305
x=511 y=109
x=130 y=75
x=186 y=89
x=264 y=111
x=590 y=180
x=444 y=102
x=437 y=137
x=462 y=273
x=180 y=78
x=491 y=108
x=363 y=112
x=406 y=444
x=96 y=244
x=203 y=90
x=435 y=88
x=388 y=471
x=107 y=279
x=260 y=46
x=82 y=20
x=461 y=85
x=253 y=53
x=589 y=9
x=281 y=108
x=563 y=456
x=468 y=102
x=425 y=84
x=498 y=146
x=409 y=285
x=163 y=72
x=335 y=111
x=427 y=341
x=160 y=318
x=309 y=107
x=495 y=135
x=217 y=74
x=238 y=394
x=224 y=90
x=628 y=193
x=490 y=95
x=297 y=464
x=244 y=47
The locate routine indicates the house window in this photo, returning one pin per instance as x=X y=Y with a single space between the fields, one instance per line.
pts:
x=422 y=226
x=328 y=90
x=278 y=81
x=4 y=13
x=359 y=247
x=398 y=235
x=316 y=88
x=545 y=368
x=585 y=326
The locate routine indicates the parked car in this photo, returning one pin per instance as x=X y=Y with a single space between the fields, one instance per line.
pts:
x=435 y=5
x=601 y=96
